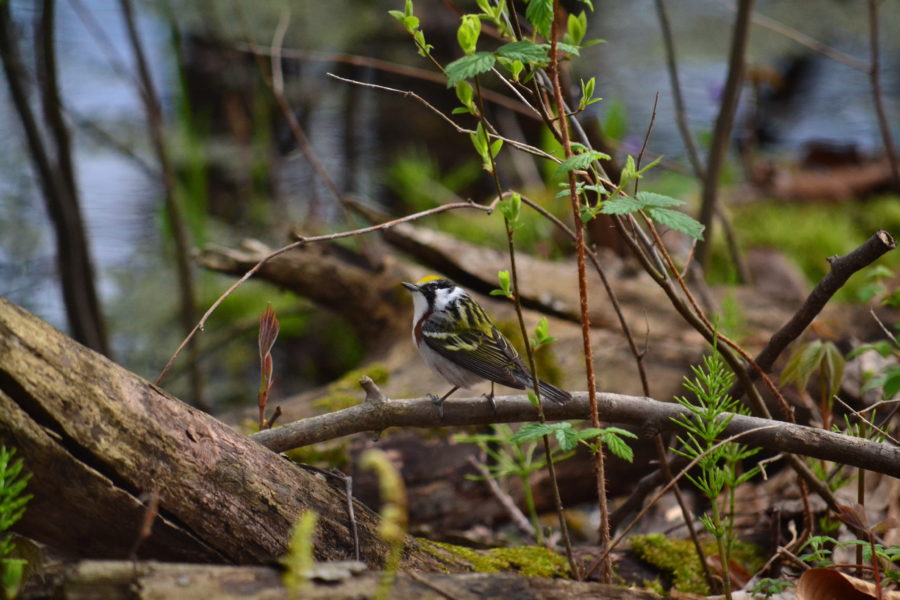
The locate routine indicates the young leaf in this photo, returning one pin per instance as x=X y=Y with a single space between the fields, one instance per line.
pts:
x=618 y=446
x=540 y=14
x=469 y=66
x=677 y=221
x=524 y=51
x=622 y=205
x=579 y=162
x=468 y=32
x=532 y=431
x=576 y=27
x=658 y=200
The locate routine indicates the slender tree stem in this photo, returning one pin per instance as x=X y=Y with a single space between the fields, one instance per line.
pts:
x=722 y=131
x=563 y=124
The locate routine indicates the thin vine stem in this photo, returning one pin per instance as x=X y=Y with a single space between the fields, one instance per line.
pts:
x=599 y=466
x=551 y=467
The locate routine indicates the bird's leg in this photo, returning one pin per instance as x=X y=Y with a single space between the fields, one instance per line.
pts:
x=490 y=398
x=439 y=402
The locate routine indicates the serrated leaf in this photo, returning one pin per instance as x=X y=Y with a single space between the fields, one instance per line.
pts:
x=540 y=14
x=524 y=51
x=469 y=66
x=573 y=50
x=622 y=205
x=658 y=200
x=579 y=162
x=678 y=221
x=532 y=431
x=618 y=446
x=566 y=437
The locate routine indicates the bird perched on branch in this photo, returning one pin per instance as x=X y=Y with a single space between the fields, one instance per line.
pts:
x=457 y=339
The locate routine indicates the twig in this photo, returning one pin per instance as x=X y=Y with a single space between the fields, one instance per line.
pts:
x=724 y=121
x=619 y=408
x=459 y=129
x=610 y=292
x=504 y=499
x=842 y=267
x=309 y=240
x=804 y=40
x=180 y=234
x=677 y=97
x=875 y=80
x=517 y=302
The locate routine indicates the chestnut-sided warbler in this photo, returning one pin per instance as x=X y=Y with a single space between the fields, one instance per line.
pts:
x=458 y=340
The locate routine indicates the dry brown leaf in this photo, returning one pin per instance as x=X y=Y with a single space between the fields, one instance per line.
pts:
x=828 y=584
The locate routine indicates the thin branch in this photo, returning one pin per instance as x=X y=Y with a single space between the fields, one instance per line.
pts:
x=842 y=267
x=677 y=97
x=180 y=234
x=517 y=516
x=300 y=242
x=724 y=122
x=647 y=413
x=459 y=129
x=804 y=40
x=875 y=80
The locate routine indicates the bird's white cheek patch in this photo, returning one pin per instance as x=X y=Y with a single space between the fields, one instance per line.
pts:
x=444 y=298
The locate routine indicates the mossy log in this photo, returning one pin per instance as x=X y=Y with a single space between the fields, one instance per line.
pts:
x=99 y=440
x=113 y=580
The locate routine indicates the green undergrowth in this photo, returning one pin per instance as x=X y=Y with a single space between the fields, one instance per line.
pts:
x=531 y=561
x=810 y=233
x=346 y=392
x=678 y=560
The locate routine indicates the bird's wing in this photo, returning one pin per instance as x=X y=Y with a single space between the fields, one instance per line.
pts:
x=485 y=352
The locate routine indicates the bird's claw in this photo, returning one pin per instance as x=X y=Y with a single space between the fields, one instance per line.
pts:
x=490 y=398
x=439 y=403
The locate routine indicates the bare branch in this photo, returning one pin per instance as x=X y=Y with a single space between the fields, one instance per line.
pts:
x=651 y=415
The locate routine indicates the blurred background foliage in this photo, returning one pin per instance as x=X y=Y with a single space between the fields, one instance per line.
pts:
x=240 y=173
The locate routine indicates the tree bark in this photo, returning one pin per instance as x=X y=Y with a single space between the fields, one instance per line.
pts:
x=97 y=439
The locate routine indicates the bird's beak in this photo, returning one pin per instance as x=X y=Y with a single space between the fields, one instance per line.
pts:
x=410 y=286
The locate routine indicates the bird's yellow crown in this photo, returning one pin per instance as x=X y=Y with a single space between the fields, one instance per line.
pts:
x=428 y=278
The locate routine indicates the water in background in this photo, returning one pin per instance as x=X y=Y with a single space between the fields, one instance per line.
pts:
x=121 y=201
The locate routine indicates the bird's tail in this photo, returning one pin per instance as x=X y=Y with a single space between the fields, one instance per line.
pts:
x=553 y=393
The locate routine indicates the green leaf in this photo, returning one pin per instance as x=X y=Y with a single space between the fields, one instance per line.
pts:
x=677 y=221
x=618 y=446
x=532 y=431
x=658 y=200
x=573 y=50
x=566 y=437
x=891 y=382
x=540 y=14
x=622 y=205
x=524 y=51
x=469 y=66
x=579 y=162
x=576 y=27
x=468 y=32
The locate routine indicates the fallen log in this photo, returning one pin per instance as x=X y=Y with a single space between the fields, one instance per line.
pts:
x=98 y=440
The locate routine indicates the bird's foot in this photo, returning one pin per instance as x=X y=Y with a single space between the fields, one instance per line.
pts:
x=439 y=403
x=490 y=398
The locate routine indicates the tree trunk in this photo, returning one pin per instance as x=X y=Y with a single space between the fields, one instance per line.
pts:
x=99 y=439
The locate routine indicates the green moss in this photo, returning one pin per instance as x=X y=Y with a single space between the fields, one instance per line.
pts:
x=808 y=234
x=345 y=392
x=334 y=454
x=675 y=557
x=679 y=559
x=531 y=561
